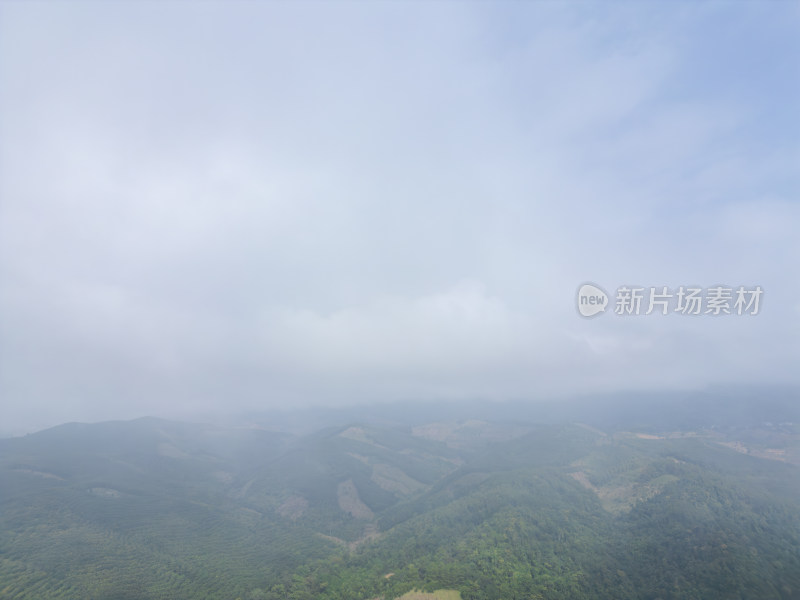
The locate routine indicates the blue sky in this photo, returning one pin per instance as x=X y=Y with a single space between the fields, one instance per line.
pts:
x=219 y=206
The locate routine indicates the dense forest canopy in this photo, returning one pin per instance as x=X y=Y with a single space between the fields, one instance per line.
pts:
x=403 y=500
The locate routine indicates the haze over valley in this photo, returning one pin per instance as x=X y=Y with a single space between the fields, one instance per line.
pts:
x=425 y=300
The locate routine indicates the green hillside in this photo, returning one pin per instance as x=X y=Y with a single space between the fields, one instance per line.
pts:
x=152 y=509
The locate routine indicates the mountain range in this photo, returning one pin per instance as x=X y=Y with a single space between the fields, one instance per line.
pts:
x=692 y=498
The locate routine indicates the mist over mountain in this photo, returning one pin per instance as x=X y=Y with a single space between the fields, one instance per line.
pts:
x=491 y=502
x=231 y=206
x=424 y=300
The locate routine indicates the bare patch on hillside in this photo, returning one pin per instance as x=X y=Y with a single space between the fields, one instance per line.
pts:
x=437 y=595
x=394 y=480
x=359 y=435
x=293 y=508
x=370 y=533
x=166 y=449
x=621 y=497
x=360 y=457
x=350 y=502
x=104 y=492
x=40 y=474
x=581 y=478
x=599 y=432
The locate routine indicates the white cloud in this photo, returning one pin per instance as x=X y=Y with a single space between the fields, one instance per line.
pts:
x=233 y=204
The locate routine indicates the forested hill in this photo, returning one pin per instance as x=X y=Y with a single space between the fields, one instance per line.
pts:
x=376 y=507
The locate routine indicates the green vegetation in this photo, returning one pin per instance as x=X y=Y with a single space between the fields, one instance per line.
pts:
x=156 y=510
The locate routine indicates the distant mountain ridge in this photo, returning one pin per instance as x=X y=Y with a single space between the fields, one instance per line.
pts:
x=386 y=503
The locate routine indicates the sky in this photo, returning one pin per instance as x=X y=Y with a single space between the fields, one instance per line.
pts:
x=225 y=206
